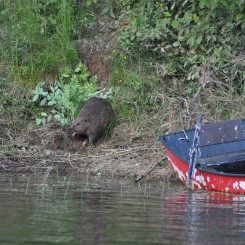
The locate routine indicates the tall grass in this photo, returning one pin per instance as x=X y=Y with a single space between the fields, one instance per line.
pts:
x=36 y=37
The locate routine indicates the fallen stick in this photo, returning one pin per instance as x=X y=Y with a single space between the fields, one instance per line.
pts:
x=140 y=177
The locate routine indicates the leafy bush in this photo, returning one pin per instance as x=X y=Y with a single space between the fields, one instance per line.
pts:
x=186 y=35
x=63 y=100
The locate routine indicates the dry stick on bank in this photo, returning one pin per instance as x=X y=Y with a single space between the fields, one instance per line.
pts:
x=140 y=177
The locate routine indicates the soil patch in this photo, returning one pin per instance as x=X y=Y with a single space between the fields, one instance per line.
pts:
x=97 y=52
x=122 y=155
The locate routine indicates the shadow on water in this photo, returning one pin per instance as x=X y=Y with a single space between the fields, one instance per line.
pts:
x=82 y=210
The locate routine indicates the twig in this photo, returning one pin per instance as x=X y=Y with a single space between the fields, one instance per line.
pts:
x=140 y=177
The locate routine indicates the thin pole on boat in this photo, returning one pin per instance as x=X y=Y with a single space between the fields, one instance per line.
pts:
x=194 y=150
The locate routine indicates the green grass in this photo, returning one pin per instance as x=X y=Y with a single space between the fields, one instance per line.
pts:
x=36 y=38
x=37 y=42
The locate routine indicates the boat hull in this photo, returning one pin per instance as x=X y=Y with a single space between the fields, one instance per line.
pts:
x=204 y=179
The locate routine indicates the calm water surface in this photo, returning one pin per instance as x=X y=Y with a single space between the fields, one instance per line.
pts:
x=78 y=210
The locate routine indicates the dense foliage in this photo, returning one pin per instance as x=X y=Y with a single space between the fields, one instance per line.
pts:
x=36 y=36
x=186 y=37
x=67 y=95
x=169 y=51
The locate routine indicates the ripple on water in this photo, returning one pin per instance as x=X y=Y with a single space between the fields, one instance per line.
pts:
x=72 y=211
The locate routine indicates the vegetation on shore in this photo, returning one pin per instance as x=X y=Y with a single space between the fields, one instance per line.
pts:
x=173 y=60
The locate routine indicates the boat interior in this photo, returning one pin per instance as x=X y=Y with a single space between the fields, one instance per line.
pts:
x=231 y=168
x=222 y=147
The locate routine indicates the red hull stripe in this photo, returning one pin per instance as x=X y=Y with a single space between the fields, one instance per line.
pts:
x=204 y=180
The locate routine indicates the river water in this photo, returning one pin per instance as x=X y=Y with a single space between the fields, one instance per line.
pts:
x=82 y=210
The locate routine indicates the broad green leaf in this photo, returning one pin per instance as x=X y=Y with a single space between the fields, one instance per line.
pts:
x=49 y=118
x=189 y=90
x=191 y=41
x=199 y=39
x=43 y=93
x=88 y=2
x=57 y=117
x=176 y=44
x=43 y=102
x=40 y=90
x=38 y=121
x=50 y=103
x=167 y=14
x=202 y=3
x=35 y=98
x=176 y=51
x=65 y=75
x=217 y=52
x=78 y=69
x=57 y=98
x=239 y=16
x=58 y=92
x=175 y=23
x=44 y=114
x=65 y=122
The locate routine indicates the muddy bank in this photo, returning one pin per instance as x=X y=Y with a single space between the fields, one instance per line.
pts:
x=126 y=153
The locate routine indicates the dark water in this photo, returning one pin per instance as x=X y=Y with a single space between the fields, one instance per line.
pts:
x=76 y=210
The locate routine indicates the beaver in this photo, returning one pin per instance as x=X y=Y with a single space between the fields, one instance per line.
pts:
x=93 y=119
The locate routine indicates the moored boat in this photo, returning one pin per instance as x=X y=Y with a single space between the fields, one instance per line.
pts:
x=210 y=156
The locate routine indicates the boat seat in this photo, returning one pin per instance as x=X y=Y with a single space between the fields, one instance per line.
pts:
x=222 y=142
x=222 y=132
x=224 y=158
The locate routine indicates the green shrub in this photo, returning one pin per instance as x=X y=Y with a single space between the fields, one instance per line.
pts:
x=185 y=35
x=62 y=101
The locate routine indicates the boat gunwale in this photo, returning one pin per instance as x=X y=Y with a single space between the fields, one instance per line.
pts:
x=204 y=168
x=216 y=172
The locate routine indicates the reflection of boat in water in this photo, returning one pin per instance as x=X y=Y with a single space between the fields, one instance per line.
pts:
x=203 y=217
x=210 y=156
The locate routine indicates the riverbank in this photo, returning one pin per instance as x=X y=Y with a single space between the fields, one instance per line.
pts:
x=159 y=64
x=41 y=149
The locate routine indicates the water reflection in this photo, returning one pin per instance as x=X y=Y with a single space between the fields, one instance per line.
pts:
x=68 y=213
x=207 y=218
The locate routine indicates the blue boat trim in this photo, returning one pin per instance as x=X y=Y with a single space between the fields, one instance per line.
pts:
x=222 y=147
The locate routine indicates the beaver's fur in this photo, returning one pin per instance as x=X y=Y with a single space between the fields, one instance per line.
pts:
x=93 y=119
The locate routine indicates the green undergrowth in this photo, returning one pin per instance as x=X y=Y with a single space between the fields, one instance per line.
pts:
x=181 y=58
x=62 y=100
x=37 y=36
x=15 y=111
x=175 y=58
x=187 y=37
